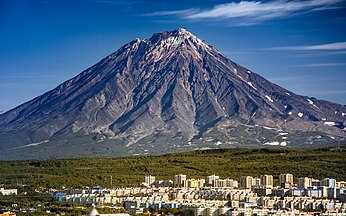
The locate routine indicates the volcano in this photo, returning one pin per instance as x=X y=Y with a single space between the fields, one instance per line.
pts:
x=172 y=92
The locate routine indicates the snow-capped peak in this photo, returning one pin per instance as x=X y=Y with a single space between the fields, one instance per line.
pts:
x=174 y=37
x=182 y=31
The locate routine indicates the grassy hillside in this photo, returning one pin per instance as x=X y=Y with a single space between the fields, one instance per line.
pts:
x=128 y=171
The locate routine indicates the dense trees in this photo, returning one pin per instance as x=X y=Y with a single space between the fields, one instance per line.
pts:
x=129 y=171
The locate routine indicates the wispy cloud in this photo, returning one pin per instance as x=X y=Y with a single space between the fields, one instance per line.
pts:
x=319 y=54
x=321 y=47
x=112 y=2
x=177 y=12
x=329 y=64
x=252 y=12
x=287 y=79
x=331 y=92
x=8 y=85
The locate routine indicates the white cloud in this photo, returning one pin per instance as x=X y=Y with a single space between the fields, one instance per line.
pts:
x=178 y=12
x=325 y=47
x=252 y=12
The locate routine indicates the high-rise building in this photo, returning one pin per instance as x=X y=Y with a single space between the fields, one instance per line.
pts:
x=256 y=181
x=246 y=182
x=304 y=182
x=286 y=180
x=329 y=182
x=212 y=178
x=180 y=180
x=267 y=180
x=149 y=179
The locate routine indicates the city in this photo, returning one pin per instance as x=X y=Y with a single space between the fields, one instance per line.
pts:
x=173 y=108
x=262 y=195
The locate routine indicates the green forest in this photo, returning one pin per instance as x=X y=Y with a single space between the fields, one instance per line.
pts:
x=129 y=171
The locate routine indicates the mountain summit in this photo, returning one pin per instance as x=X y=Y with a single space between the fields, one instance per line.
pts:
x=172 y=92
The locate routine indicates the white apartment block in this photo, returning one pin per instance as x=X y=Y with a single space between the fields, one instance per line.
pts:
x=149 y=180
x=267 y=180
x=246 y=182
x=211 y=179
x=304 y=182
x=180 y=180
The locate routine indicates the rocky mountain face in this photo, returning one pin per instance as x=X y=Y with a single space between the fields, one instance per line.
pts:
x=172 y=92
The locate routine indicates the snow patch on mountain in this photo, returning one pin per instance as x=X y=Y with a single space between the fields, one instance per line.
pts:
x=250 y=84
x=269 y=98
x=274 y=143
x=284 y=143
x=329 y=123
x=218 y=143
x=312 y=103
x=268 y=128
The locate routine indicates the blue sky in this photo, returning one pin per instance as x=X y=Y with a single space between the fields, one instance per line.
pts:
x=300 y=45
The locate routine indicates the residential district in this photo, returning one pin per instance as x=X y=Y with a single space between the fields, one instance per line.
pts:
x=214 y=196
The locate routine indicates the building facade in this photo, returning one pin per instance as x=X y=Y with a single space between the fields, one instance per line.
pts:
x=246 y=182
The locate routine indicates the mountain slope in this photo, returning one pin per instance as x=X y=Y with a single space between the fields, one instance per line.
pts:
x=173 y=89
